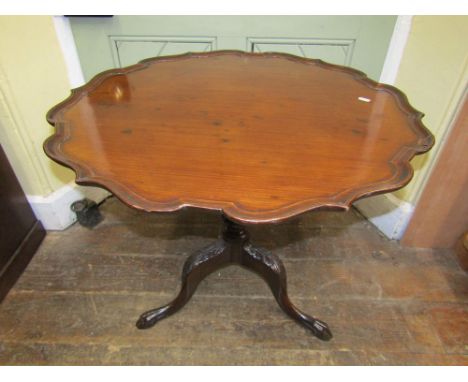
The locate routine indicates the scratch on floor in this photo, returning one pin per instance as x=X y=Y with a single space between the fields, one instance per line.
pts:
x=93 y=304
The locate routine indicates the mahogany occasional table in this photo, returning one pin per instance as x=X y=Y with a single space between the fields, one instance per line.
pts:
x=259 y=137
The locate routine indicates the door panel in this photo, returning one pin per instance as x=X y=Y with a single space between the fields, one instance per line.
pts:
x=338 y=51
x=357 y=41
x=128 y=50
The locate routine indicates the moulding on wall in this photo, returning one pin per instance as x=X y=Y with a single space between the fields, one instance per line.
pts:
x=396 y=49
x=68 y=47
x=17 y=143
x=164 y=43
x=345 y=46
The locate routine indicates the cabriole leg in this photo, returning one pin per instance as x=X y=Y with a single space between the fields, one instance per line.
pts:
x=196 y=268
x=270 y=267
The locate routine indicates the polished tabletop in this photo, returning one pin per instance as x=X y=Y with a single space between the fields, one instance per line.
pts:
x=261 y=137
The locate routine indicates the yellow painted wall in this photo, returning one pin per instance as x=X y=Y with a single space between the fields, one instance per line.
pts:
x=33 y=78
x=434 y=75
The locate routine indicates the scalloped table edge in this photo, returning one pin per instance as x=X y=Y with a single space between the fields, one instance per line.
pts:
x=402 y=170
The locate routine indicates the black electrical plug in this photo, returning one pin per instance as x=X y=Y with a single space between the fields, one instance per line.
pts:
x=87 y=212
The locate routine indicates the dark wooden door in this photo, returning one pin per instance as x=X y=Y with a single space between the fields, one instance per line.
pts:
x=20 y=231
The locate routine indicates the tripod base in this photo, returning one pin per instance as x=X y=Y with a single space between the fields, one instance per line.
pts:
x=234 y=248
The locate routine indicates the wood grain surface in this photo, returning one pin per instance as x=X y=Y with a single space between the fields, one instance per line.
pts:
x=262 y=137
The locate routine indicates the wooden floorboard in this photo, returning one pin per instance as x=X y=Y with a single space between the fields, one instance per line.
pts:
x=79 y=298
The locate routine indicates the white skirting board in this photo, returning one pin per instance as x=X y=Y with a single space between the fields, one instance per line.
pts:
x=54 y=210
x=388 y=213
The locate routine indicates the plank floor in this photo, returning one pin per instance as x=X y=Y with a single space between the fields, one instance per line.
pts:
x=78 y=300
